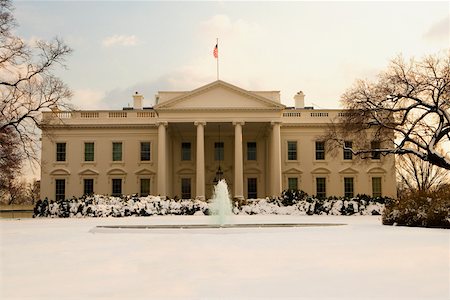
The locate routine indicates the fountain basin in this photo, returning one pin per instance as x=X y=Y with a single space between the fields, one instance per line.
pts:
x=175 y=227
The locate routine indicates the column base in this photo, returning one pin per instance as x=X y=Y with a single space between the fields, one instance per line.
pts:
x=201 y=198
x=238 y=198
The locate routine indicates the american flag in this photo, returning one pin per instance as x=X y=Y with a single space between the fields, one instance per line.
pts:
x=216 y=51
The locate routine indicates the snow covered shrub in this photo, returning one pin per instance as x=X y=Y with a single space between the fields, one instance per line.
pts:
x=419 y=208
x=290 y=197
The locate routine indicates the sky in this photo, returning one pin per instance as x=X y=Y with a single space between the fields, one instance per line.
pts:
x=320 y=48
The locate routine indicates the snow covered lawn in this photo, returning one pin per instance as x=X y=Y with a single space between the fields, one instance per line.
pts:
x=62 y=259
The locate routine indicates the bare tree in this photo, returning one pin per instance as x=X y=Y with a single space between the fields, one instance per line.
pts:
x=416 y=174
x=27 y=83
x=405 y=111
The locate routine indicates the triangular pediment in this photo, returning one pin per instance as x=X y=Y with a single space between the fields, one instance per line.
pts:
x=144 y=171
x=348 y=171
x=293 y=171
x=220 y=95
x=87 y=172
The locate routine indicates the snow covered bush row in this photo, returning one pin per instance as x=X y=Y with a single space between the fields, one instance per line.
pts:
x=106 y=206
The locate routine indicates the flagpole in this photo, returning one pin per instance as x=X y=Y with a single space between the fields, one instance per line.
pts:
x=217 y=45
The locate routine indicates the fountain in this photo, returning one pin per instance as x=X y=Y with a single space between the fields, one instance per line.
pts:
x=221 y=204
x=221 y=211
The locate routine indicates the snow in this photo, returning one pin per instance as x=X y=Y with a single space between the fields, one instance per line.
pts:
x=62 y=259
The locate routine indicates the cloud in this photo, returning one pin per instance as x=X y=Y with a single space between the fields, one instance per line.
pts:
x=120 y=40
x=87 y=99
x=440 y=30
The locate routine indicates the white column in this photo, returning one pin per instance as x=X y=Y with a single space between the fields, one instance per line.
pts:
x=238 y=162
x=162 y=159
x=200 y=173
x=276 y=160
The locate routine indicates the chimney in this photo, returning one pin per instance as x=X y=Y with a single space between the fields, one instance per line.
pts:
x=137 y=101
x=299 y=100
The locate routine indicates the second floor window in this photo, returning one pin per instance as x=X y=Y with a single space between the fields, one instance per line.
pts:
x=185 y=151
x=60 y=151
x=145 y=151
x=320 y=150
x=348 y=155
x=251 y=150
x=117 y=151
x=375 y=145
x=218 y=151
x=88 y=151
x=292 y=150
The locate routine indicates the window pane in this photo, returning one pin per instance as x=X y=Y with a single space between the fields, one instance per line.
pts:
x=145 y=151
x=117 y=187
x=88 y=186
x=60 y=151
x=321 y=189
x=348 y=187
x=218 y=151
x=145 y=187
x=375 y=145
x=320 y=150
x=293 y=183
x=292 y=150
x=348 y=155
x=252 y=188
x=60 y=189
x=185 y=151
x=251 y=150
x=89 y=151
x=117 y=151
x=376 y=186
x=185 y=188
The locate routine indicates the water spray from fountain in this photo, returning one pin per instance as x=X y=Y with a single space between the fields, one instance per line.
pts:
x=221 y=203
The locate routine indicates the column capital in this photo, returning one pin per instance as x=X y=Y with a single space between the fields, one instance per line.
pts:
x=163 y=123
x=273 y=123
x=242 y=123
x=196 y=123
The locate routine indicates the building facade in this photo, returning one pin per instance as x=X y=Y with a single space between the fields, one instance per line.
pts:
x=189 y=139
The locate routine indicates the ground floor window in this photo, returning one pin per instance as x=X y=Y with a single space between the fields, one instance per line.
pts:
x=376 y=186
x=117 y=187
x=348 y=187
x=145 y=187
x=185 y=188
x=293 y=183
x=252 y=188
x=88 y=186
x=321 y=188
x=60 y=189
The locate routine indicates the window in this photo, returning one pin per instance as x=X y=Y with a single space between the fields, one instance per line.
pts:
x=88 y=186
x=218 y=151
x=348 y=187
x=88 y=151
x=321 y=188
x=376 y=186
x=145 y=187
x=117 y=187
x=292 y=150
x=185 y=188
x=117 y=151
x=185 y=151
x=60 y=189
x=252 y=188
x=375 y=145
x=320 y=150
x=60 y=151
x=293 y=183
x=251 y=150
x=145 y=151
x=348 y=155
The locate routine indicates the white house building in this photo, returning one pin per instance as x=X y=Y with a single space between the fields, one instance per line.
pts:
x=189 y=139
